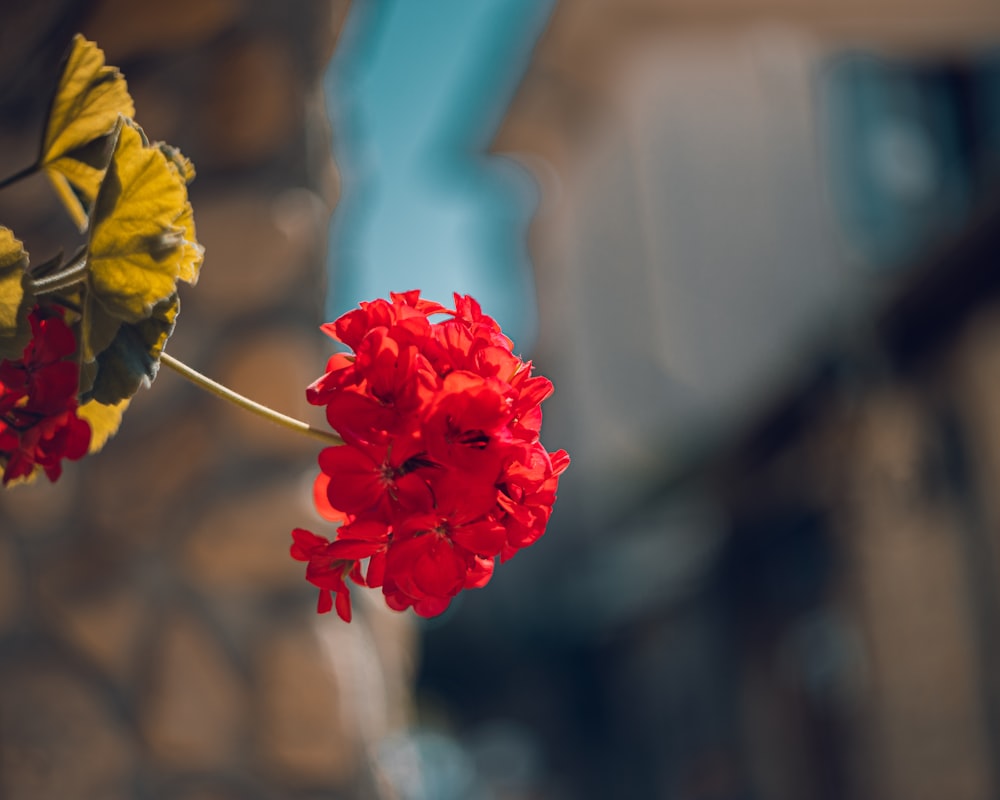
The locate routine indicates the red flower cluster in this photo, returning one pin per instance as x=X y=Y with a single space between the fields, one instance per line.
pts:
x=442 y=469
x=38 y=401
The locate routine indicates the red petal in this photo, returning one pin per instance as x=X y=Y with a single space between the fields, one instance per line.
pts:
x=534 y=391
x=355 y=484
x=357 y=416
x=376 y=570
x=353 y=549
x=340 y=373
x=321 y=499
x=560 y=460
x=431 y=606
x=484 y=538
x=344 y=605
x=305 y=544
x=365 y=529
x=479 y=574
x=77 y=438
x=329 y=329
x=440 y=571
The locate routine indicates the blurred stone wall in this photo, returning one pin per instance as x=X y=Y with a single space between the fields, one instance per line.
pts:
x=881 y=678
x=156 y=639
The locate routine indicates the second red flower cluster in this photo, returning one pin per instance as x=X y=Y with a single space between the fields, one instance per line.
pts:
x=39 y=426
x=442 y=469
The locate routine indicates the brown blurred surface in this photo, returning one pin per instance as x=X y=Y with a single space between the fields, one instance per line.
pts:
x=576 y=71
x=156 y=639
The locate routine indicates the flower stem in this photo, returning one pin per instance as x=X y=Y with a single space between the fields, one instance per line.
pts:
x=20 y=174
x=69 y=276
x=243 y=402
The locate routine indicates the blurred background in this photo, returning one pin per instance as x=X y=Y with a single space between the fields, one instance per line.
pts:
x=754 y=244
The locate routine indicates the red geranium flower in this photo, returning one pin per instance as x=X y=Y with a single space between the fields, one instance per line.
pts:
x=442 y=470
x=38 y=401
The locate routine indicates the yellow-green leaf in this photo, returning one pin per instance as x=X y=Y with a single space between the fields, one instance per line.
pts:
x=133 y=357
x=178 y=161
x=104 y=421
x=15 y=332
x=142 y=232
x=98 y=328
x=76 y=179
x=89 y=98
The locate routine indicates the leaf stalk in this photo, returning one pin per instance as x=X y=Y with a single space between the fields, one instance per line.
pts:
x=224 y=392
x=63 y=279
x=19 y=175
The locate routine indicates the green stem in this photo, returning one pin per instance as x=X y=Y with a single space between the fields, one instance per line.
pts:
x=243 y=402
x=19 y=175
x=72 y=274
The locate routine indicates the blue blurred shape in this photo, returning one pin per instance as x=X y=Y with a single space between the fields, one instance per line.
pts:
x=416 y=92
x=910 y=149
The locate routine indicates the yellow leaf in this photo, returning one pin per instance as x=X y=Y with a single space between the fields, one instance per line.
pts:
x=98 y=328
x=133 y=357
x=142 y=233
x=104 y=421
x=178 y=161
x=14 y=304
x=88 y=100
x=190 y=262
x=66 y=176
